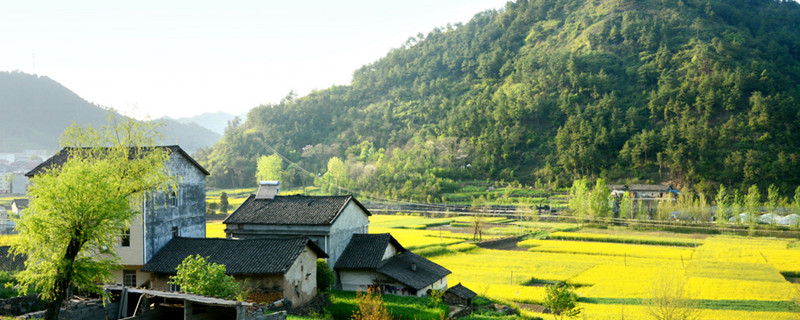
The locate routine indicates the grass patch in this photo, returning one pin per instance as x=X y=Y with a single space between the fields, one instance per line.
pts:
x=343 y=304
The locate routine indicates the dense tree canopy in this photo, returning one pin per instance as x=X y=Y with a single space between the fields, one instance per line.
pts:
x=694 y=92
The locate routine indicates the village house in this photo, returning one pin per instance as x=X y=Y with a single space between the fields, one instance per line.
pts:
x=164 y=215
x=274 y=269
x=379 y=261
x=652 y=191
x=329 y=221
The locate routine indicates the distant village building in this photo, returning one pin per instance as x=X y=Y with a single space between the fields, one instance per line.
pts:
x=329 y=221
x=645 y=191
x=165 y=215
x=274 y=269
x=379 y=261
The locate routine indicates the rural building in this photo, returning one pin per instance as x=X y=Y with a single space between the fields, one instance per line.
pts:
x=379 y=261
x=17 y=205
x=165 y=215
x=274 y=269
x=329 y=221
x=652 y=191
x=459 y=298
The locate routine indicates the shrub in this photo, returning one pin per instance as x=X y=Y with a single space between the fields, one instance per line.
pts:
x=325 y=275
x=196 y=275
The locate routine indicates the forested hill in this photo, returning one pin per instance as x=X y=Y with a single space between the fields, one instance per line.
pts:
x=35 y=110
x=693 y=92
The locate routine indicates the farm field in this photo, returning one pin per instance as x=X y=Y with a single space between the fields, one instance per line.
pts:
x=728 y=277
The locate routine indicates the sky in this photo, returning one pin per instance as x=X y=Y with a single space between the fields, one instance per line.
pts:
x=150 y=59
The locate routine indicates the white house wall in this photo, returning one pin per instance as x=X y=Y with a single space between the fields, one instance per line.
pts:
x=352 y=220
x=303 y=275
x=356 y=280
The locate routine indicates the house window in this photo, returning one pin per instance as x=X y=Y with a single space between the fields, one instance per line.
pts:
x=172 y=198
x=129 y=278
x=175 y=232
x=174 y=287
x=125 y=239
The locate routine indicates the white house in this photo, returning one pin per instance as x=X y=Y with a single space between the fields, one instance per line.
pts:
x=379 y=261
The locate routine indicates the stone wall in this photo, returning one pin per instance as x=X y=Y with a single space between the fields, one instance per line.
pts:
x=90 y=310
x=20 y=305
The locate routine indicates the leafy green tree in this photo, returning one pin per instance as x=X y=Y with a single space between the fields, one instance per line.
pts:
x=797 y=200
x=626 y=206
x=77 y=209
x=336 y=176
x=721 y=201
x=270 y=168
x=774 y=199
x=579 y=198
x=196 y=275
x=561 y=301
x=752 y=203
x=600 y=197
x=325 y=275
x=223 y=202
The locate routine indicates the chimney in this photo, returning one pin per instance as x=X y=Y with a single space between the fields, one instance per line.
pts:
x=267 y=189
x=413 y=266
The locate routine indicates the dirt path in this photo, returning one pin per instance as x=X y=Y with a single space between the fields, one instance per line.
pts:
x=509 y=244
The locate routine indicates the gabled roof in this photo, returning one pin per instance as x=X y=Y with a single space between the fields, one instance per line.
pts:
x=296 y=209
x=11 y=263
x=617 y=187
x=649 y=187
x=20 y=203
x=365 y=251
x=256 y=256
x=400 y=268
x=462 y=291
x=61 y=157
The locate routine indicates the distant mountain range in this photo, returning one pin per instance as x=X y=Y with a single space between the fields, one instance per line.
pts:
x=214 y=121
x=35 y=110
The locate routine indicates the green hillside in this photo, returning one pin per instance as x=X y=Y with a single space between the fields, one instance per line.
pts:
x=692 y=92
x=36 y=110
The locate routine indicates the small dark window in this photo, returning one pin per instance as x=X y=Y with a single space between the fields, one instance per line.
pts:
x=129 y=278
x=175 y=232
x=174 y=287
x=172 y=198
x=125 y=239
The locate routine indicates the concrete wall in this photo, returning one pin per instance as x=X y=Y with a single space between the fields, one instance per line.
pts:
x=303 y=276
x=352 y=220
x=141 y=277
x=356 y=280
x=189 y=215
x=134 y=254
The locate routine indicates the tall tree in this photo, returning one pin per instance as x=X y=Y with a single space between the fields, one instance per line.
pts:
x=77 y=209
x=722 y=206
x=269 y=168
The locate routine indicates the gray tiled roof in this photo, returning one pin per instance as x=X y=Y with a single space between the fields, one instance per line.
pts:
x=365 y=251
x=462 y=291
x=399 y=268
x=11 y=263
x=648 y=187
x=61 y=157
x=296 y=209
x=257 y=256
x=21 y=203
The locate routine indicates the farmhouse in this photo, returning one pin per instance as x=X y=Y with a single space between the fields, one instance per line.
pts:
x=274 y=269
x=165 y=215
x=329 y=221
x=379 y=261
x=652 y=191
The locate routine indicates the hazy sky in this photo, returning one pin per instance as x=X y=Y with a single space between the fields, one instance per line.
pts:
x=183 y=58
